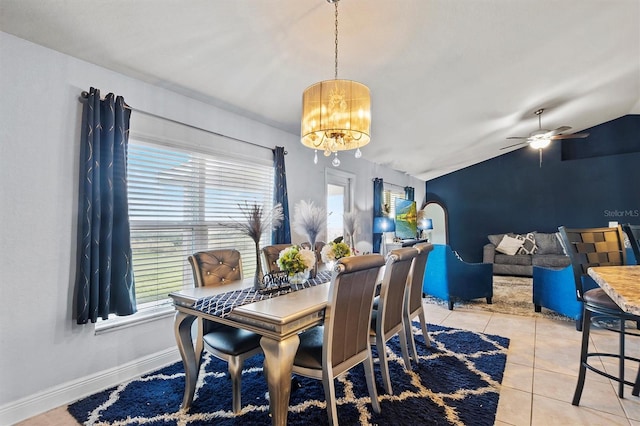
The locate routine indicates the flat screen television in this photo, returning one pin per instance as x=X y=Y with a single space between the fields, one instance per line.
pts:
x=406 y=219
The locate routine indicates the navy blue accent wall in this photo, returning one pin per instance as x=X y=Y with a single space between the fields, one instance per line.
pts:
x=511 y=193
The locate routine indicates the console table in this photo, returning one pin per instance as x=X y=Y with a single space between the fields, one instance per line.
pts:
x=403 y=243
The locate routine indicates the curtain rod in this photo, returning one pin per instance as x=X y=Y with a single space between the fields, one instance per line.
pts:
x=392 y=184
x=85 y=95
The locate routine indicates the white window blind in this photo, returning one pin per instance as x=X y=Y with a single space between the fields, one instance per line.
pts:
x=389 y=198
x=178 y=199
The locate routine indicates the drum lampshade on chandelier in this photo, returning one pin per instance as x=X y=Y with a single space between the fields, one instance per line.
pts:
x=336 y=114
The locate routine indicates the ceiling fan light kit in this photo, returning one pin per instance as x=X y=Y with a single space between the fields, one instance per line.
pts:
x=336 y=114
x=541 y=138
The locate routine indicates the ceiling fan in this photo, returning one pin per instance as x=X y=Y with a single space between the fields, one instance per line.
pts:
x=541 y=138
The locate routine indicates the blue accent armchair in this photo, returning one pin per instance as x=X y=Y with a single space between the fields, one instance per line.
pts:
x=555 y=289
x=449 y=278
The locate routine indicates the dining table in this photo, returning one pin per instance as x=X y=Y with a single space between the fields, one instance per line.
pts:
x=278 y=316
x=621 y=284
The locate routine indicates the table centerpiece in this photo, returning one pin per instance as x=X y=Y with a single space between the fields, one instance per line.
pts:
x=257 y=219
x=297 y=262
x=309 y=220
x=331 y=252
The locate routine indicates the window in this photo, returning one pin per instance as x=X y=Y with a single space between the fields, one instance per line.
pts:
x=339 y=187
x=178 y=199
x=389 y=198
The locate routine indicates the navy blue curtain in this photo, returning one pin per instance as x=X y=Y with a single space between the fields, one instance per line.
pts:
x=409 y=193
x=105 y=273
x=378 y=188
x=281 y=235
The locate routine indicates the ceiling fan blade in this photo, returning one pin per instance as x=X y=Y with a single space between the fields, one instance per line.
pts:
x=560 y=129
x=515 y=144
x=570 y=136
x=518 y=137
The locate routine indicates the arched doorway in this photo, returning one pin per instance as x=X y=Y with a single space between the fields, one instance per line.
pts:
x=438 y=215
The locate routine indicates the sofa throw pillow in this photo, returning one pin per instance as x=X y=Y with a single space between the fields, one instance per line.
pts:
x=547 y=243
x=509 y=245
x=528 y=244
x=495 y=239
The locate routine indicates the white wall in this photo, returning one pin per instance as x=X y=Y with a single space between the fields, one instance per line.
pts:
x=46 y=359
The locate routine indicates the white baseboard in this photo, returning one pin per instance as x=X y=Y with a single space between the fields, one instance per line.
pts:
x=72 y=391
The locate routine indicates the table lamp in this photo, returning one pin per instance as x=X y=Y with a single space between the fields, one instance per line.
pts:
x=424 y=224
x=381 y=225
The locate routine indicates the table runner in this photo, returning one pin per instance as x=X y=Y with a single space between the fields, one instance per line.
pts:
x=221 y=305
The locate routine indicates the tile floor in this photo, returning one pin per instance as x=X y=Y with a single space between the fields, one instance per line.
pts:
x=539 y=379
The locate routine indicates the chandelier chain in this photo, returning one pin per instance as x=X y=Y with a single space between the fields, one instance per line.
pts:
x=336 y=52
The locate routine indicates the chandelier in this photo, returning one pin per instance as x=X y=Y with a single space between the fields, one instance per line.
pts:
x=336 y=114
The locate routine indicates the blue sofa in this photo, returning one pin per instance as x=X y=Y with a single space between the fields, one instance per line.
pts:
x=449 y=278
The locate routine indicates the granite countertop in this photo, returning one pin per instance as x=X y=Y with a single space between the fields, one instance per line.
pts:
x=621 y=283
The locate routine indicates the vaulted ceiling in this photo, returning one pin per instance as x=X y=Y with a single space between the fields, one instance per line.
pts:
x=449 y=80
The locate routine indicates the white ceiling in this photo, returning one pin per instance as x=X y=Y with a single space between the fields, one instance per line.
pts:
x=450 y=80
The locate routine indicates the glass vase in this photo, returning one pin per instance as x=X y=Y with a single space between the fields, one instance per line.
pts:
x=299 y=277
x=257 y=279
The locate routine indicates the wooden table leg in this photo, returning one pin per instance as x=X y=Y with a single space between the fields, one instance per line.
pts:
x=278 y=360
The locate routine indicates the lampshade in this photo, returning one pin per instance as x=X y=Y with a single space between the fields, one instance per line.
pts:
x=425 y=224
x=383 y=224
x=336 y=116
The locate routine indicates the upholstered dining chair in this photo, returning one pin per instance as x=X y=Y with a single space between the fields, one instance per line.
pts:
x=318 y=249
x=230 y=344
x=589 y=247
x=633 y=232
x=413 y=306
x=342 y=342
x=388 y=319
x=270 y=256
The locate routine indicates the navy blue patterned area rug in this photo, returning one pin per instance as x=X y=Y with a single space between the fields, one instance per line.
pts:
x=457 y=382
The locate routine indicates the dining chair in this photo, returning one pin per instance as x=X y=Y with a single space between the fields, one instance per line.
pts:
x=588 y=247
x=318 y=249
x=342 y=342
x=388 y=319
x=270 y=256
x=230 y=344
x=413 y=306
x=633 y=232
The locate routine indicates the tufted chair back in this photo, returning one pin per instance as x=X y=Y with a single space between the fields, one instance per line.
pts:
x=216 y=267
x=270 y=256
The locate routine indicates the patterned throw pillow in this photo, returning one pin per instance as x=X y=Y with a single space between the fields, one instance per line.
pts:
x=509 y=245
x=528 y=244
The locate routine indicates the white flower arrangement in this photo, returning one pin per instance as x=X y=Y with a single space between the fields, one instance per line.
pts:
x=334 y=251
x=296 y=259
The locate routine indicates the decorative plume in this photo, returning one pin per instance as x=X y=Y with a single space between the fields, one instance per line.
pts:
x=257 y=220
x=351 y=223
x=309 y=219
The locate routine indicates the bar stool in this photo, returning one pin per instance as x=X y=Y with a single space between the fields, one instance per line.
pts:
x=598 y=247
